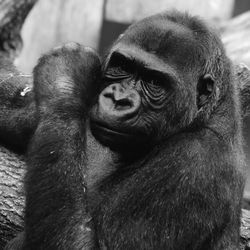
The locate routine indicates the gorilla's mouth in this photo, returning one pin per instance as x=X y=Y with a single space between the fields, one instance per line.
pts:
x=109 y=129
x=105 y=128
x=116 y=139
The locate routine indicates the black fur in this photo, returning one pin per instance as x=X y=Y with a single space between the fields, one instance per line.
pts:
x=17 y=113
x=166 y=169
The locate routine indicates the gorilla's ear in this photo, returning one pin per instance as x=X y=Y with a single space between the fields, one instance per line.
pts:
x=205 y=89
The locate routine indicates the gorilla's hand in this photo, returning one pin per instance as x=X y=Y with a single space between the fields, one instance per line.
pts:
x=69 y=72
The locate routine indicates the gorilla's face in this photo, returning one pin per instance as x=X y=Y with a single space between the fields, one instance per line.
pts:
x=149 y=87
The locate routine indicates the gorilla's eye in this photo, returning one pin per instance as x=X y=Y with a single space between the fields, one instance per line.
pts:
x=153 y=78
x=119 y=66
x=155 y=82
x=116 y=72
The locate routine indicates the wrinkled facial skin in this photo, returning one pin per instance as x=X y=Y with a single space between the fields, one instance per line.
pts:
x=128 y=109
x=148 y=88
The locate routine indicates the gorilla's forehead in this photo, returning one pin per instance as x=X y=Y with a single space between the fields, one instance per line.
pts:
x=164 y=38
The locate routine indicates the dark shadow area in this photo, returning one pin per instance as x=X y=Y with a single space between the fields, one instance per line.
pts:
x=241 y=6
x=109 y=32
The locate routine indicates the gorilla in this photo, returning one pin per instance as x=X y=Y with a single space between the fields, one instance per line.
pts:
x=140 y=151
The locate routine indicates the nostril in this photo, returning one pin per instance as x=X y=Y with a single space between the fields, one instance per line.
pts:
x=108 y=95
x=123 y=104
x=114 y=87
x=111 y=92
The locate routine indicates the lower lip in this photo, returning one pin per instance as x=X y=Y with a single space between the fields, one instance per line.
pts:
x=119 y=141
x=102 y=127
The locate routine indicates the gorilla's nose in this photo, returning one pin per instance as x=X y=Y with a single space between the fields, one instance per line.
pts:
x=115 y=100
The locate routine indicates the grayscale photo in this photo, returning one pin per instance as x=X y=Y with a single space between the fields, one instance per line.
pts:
x=124 y=125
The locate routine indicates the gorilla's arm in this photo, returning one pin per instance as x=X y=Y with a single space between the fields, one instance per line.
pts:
x=17 y=113
x=177 y=190
x=17 y=120
x=56 y=154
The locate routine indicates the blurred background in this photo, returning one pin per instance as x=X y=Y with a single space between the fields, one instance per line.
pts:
x=97 y=23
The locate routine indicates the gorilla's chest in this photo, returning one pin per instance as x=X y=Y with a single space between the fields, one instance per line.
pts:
x=100 y=160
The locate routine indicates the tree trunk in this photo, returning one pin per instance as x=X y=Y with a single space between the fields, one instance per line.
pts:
x=12 y=169
x=12 y=166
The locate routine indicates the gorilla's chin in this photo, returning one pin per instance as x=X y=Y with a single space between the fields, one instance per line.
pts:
x=115 y=139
